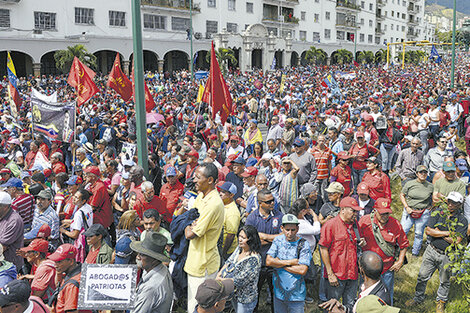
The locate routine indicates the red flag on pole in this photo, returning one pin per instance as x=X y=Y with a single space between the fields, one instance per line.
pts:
x=119 y=81
x=356 y=64
x=216 y=92
x=81 y=78
x=149 y=102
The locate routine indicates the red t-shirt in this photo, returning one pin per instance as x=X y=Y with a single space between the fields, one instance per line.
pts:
x=361 y=154
x=141 y=206
x=170 y=195
x=343 y=176
x=67 y=300
x=379 y=185
x=444 y=118
x=58 y=167
x=340 y=239
x=103 y=213
x=92 y=256
x=44 y=278
x=374 y=135
x=24 y=205
x=392 y=232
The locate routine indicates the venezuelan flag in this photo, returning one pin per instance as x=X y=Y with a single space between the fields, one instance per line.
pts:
x=13 y=85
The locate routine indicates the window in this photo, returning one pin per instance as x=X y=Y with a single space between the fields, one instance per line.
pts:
x=327 y=15
x=212 y=27
x=398 y=1
x=302 y=15
x=316 y=36
x=249 y=7
x=117 y=18
x=84 y=16
x=317 y=1
x=340 y=35
x=404 y=3
x=370 y=23
x=363 y=4
x=211 y=3
x=403 y=28
x=385 y=27
x=362 y=21
x=398 y=14
x=179 y=23
x=316 y=18
x=327 y=33
x=231 y=5
x=362 y=37
x=303 y=35
x=369 y=38
x=272 y=30
x=371 y=7
x=391 y=26
x=393 y=13
x=152 y=21
x=232 y=27
x=44 y=20
x=4 y=18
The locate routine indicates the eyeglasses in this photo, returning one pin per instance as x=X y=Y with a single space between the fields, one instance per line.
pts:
x=268 y=201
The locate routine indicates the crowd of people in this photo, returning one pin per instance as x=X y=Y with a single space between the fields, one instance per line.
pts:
x=229 y=216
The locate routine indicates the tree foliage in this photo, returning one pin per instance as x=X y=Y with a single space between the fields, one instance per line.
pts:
x=64 y=58
x=225 y=56
x=342 y=56
x=365 y=57
x=316 y=56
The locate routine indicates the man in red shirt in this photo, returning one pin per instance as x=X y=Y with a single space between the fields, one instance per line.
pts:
x=359 y=152
x=380 y=223
x=151 y=201
x=444 y=116
x=34 y=148
x=100 y=202
x=56 y=162
x=374 y=135
x=171 y=191
x=338 y=250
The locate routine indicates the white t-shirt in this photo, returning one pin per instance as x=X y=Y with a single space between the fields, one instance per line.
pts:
x=422 y=121
x=434 y=114
x=77 y=222
x=308 y=232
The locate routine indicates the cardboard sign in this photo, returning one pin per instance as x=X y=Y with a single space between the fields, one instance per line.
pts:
x=107 y=286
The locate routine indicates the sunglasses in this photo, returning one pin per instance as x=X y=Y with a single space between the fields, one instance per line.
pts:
x=268 y=201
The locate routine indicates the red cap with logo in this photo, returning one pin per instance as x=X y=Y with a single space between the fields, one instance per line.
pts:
x=65 y=251
x=44 y=231
x=349 y=202
x=93 y=170
x=363 y=188
x=38 y=245
x=250 y=171
x=360 y=134
x=193 y=153
x=383 y=205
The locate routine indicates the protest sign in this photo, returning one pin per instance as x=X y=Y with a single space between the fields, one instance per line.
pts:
x=107 y=287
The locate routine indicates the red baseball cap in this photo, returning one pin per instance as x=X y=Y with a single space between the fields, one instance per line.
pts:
x=363 y=188
x=349 y=202
x=250 y=171
x=93 y=170
x=193 y=153
x=5 y=171
x=360 y=134
x=383 y=205
x=65 y=251
x=44 y=231
x=38 y=245
x=349 y=130
x=368 y=117
x=343 y=155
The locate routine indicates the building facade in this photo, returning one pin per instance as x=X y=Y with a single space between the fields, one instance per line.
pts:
x=257 y=30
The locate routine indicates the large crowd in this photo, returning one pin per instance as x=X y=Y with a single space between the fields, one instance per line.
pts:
x=229 y=216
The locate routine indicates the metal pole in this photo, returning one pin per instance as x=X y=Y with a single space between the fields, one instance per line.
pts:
x=403 y=56
x=139 y=94
x=355 y=40
x=452 y=71
x=388 y=53
x=191 y=34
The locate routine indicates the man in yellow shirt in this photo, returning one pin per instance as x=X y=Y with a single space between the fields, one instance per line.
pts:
x=231 y=220
x=203 y=259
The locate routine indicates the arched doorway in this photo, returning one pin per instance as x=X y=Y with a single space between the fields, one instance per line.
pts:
x=22 y=61
x=294 y=59
x=175 y=60
x=279 y=61
x=48 y=65
x=257 y=59
x=200 y=61
x=236 y=52
x=303 y=59
x=150 y=61
x=105 y=60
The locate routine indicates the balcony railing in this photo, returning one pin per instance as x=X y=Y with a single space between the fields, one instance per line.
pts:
x=413 y=9
x=379 y=16
x=379 y=31
x=287 y=19
x=346 y=24
x=412 y=21
x=171 y=4
x=347 y=4
x=381 y=3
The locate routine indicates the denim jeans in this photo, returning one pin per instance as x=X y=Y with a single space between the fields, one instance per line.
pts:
x=387 y=156
x=282 y=306
x=423 y=136
x=420 y=224
x=347 y=290
x=244 y=307
x=357 y=177
x=388 y=280
x=432 y=261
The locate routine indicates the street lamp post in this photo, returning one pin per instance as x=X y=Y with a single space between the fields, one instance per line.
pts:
x=452 y=71
x=191 y=36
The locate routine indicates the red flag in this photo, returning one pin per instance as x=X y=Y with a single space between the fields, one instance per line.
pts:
x=356 y=64
x=216 y=92
x=119 y=81
x=323 y=83
x=81 y=78
x=149 y=102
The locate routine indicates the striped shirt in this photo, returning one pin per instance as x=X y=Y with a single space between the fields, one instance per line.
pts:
x=24 y=205
x=323 y=159
x=49 y=217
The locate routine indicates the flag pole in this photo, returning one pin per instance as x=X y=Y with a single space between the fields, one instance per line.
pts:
x=452 y=71
x=139 y=98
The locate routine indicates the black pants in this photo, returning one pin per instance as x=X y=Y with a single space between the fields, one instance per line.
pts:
x=266 y=274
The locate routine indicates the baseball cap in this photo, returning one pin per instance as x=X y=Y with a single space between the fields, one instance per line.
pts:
x=93 y=170
x=5 y=171
x=37 y=167
x=344 y=155
x=13 y=182
x=184 y=150
x=349 y=130
x=250 y=171
x=5 y=198
x=368 y=117
x=335 y=187
x=65 y=251
x=461 y=164
x=290 y=219
x=229 y=187
x=211 y=291
x=45 y=194
x=363 y=188
x=94 y=230
x=38 y=245
x=373 y=304
x=239 y=160
x=455 y=196
x=254 y=121
x=123 y=250
x=349 y=202
x=299 y=142
x=193 y=153
x=360 y=134
x=449 y=166
x=25 y=174
x=74 y=180
x=170 y=171
x=421 y=168
x=16 y=291
x=383 y=205
x=44 y=231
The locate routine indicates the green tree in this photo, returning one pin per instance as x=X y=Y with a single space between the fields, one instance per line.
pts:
x=64 y=58
x=381 y=56
x=224 y=57
x=315 y=56
x=343 y=56
x=364 y=57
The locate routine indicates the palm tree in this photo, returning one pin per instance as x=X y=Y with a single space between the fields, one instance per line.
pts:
x=381 y=56
x=224 y=57
x=64 y=58
x=343 y=56
x=315 y=55
x=369 y=57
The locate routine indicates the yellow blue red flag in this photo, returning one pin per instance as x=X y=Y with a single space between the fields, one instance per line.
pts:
x=13 y=85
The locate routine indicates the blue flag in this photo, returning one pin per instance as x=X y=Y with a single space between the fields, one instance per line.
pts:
x=435 y=55
x=273 y=65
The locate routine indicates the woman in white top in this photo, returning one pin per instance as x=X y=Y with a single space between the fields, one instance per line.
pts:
x=434 y=117
x=307 y=230
x=423 y=131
